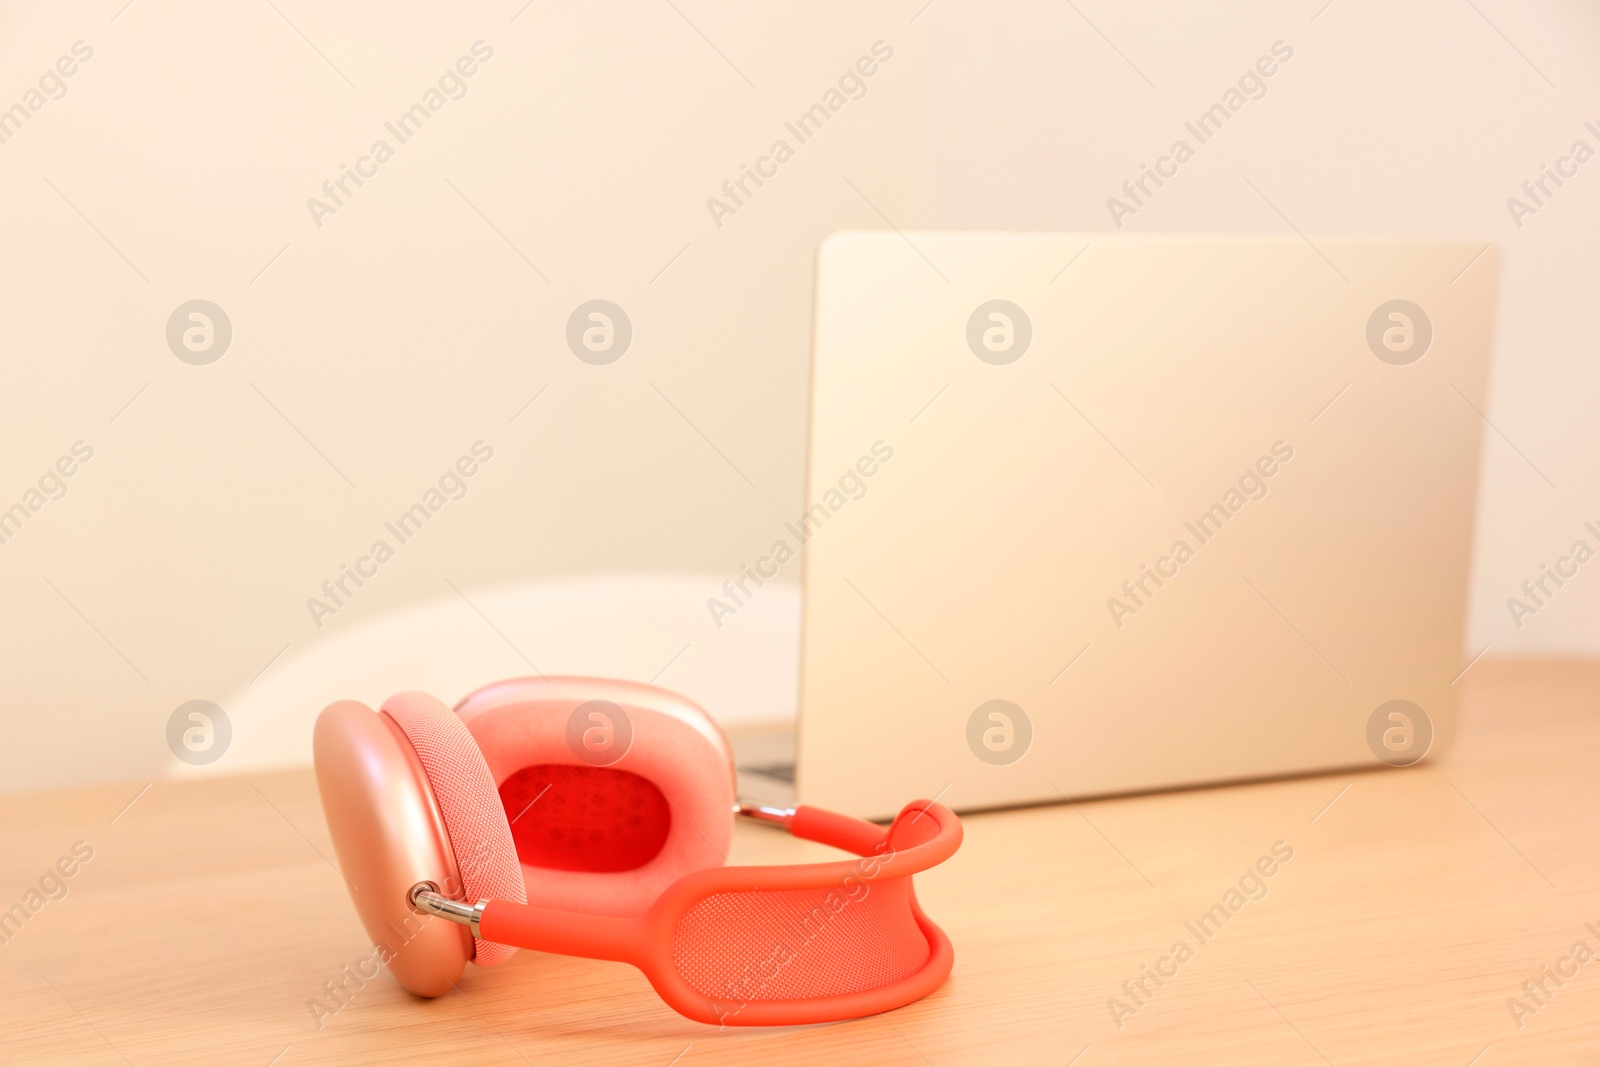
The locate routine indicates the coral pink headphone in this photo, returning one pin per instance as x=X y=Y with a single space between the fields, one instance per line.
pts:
x=592 y=818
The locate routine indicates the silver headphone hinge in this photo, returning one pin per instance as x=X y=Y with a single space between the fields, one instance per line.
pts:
x=763 y=813
x=425 y=897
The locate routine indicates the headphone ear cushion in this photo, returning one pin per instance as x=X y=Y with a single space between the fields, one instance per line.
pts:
x=474 y=819
x=608 y=838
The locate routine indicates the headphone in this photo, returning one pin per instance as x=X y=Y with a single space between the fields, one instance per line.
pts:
x=592 y=817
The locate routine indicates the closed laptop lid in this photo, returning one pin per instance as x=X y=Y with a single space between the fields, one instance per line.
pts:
x=1092 y=514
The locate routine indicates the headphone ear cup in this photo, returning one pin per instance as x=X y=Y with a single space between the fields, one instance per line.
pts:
x=605 y=835
x=474 y=819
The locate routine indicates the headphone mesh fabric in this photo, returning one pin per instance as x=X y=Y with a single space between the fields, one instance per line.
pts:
x=474 y=819
x=747 y=947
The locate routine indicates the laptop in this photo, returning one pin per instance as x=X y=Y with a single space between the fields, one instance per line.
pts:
x=1091 y=514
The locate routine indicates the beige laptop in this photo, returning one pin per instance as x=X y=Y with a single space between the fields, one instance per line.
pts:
x=1091 y=514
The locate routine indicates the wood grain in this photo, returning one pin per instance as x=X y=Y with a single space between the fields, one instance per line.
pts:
x=1416 y=904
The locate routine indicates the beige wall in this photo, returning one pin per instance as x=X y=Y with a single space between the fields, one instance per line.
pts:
x=424 y=313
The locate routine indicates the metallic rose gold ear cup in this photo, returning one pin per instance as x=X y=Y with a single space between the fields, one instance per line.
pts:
x=389 y=835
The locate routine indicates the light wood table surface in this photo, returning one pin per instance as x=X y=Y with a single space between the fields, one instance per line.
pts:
x=1415 y=906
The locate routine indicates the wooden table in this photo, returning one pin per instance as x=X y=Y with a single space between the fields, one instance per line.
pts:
x=1415 y=906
